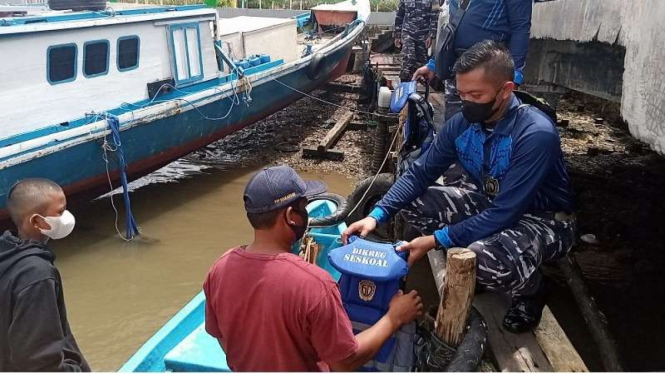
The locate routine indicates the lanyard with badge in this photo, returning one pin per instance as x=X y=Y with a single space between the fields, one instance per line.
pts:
x=490 y=183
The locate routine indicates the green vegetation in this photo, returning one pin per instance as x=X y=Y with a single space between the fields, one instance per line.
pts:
x=377 y=5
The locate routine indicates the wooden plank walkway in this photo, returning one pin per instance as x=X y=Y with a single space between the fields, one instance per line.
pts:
x=546 y=349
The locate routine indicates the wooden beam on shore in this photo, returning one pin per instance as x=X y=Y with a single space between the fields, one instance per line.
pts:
x=334 y=133
x=324 y=149
x=546 y=349
x=341 y=87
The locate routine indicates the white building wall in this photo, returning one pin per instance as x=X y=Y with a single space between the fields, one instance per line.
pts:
x=639 y=26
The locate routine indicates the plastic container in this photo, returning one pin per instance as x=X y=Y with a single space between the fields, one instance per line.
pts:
x=264 y=58
x=254 y=61
x=242 y=63
x=384 y=97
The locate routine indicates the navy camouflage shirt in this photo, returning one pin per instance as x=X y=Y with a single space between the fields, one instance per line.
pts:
x=523 y=154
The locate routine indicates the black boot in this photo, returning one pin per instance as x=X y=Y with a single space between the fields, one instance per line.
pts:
x=525 y=312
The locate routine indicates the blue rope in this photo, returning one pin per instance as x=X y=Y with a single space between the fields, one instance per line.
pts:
x=114 y=125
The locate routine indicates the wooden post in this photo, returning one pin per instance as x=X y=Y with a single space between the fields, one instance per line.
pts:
x=458 y=291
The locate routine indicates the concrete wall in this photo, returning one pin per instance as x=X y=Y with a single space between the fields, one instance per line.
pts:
x=375 y=18
x=637 y=25
x=595 y=68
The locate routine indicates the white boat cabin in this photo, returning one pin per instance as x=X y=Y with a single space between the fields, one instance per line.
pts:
x=56 y=68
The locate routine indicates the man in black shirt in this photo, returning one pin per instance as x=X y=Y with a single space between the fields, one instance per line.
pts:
x=34 y=332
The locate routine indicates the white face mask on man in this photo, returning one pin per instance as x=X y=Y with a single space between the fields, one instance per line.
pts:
x=61 y=226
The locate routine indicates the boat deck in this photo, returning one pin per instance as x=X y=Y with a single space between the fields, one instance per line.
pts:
x=318 y=41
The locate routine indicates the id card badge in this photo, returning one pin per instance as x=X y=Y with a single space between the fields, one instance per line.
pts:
x=491 y=186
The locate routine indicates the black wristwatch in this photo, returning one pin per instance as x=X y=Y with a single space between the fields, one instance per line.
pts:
x=439 y=246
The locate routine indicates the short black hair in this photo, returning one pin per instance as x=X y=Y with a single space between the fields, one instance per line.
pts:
x=493 y=56
x=29 y=196
x=267 y=220
x=264 y=220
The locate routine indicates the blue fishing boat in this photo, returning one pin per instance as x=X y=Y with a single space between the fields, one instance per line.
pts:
x=93 y=97
x=182 y=344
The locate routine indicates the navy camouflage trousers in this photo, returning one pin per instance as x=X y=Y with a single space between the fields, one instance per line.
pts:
x=508 y=261
x=452 y=100
x=414 y=55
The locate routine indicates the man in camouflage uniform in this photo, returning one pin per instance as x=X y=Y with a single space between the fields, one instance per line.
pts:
x=459 y=198
x=505 y=21
x=505 y=192
x=415 y=27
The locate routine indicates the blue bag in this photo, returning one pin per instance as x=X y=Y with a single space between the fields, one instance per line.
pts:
x=371 y=275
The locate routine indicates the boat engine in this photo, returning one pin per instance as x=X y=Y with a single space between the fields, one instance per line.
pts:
x=372 y=273
x=419 y=131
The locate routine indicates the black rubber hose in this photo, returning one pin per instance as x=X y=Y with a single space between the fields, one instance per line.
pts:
x=336 y=217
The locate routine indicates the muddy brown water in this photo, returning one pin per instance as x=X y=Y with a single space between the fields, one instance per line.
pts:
x=119 y=294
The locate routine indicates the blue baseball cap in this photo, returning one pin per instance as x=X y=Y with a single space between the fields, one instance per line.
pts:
x=276 y=187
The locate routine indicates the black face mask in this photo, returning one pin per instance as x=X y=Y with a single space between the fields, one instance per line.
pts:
x=298 y=230
x=479 y=112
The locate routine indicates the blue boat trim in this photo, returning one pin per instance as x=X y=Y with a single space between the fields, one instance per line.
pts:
x=190 y=78
x=152 y=142
x=138 y=53
x=167 y=337
x=53 y=129
x=108 y=57
x=48 y=63
x=81 y=16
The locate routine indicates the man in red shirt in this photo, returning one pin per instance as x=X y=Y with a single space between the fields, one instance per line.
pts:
x=272 y=311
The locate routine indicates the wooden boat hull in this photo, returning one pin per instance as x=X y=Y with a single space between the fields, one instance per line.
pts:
x=79 y=166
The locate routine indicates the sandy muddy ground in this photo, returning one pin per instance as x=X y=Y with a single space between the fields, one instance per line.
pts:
x=280 y=138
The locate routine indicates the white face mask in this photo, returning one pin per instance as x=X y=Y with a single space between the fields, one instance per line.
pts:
x=60 y=226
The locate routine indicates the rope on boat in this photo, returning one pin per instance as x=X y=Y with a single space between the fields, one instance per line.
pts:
x=235 y=100
x=116 y=146
x=328 y=102
x=388 y=153
x=385 y=159
x=242 y=82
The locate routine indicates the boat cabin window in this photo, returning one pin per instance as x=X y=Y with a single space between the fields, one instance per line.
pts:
x=128 y=53
x=96 y=58
x=61 y=64
x=186 y=53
